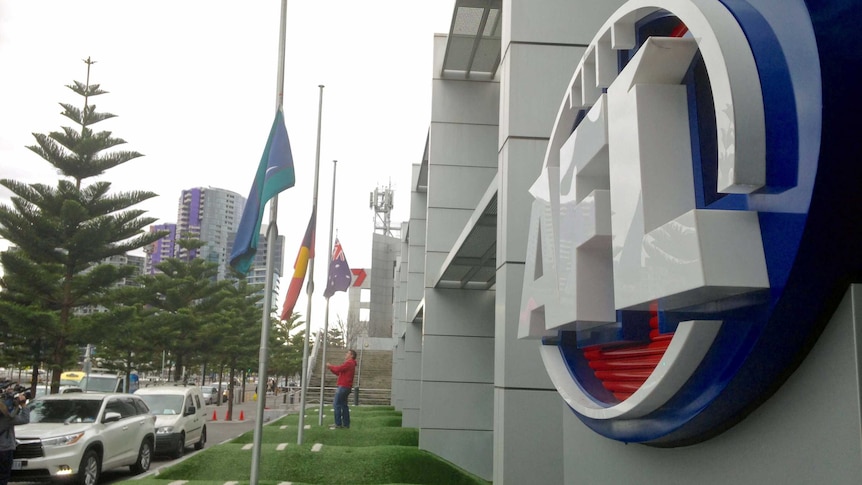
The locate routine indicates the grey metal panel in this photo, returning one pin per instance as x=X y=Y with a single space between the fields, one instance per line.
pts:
x=465 y=102
x=808 y=432
x=555 y=21
x=528 y=450
x=444 y=227
x=522 y=162
x=457 y=186
x=460 y=313
x=470 y=145
x=456 y=405
x=459 y=359
x=471 y=450
x=517 y=362
x=537 y=78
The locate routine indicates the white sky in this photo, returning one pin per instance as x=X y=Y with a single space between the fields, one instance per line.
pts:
x=193 y=85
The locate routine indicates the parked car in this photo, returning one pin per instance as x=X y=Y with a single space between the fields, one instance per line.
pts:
x=44 y=391
x=81 y=434
x=209 y=394
x=225 y=391
x=101 y=383
x=180 y=417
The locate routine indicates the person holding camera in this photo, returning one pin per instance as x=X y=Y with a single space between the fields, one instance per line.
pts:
x=13 y=411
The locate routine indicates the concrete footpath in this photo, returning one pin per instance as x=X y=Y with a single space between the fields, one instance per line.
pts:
x=275 y=406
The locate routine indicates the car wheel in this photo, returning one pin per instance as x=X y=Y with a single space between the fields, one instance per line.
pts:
x=90 y=469
x=145 y=455
x=201 y=442
x=181 y=446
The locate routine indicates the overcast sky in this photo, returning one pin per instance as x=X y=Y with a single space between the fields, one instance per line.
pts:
x=193 y=84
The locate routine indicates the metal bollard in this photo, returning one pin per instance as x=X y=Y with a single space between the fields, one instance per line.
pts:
x=356 y=396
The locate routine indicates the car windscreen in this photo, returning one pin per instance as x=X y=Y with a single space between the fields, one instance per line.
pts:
x=166 y=404
x=99 y=384
x=64 y=411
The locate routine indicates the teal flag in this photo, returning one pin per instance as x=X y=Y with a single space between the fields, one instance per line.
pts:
x=274 y=174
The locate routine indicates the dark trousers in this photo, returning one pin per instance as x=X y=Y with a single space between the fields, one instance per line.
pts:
x=339 y=405
x=6 y=465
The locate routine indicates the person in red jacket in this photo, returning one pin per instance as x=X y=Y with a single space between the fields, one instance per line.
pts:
x=345 y=373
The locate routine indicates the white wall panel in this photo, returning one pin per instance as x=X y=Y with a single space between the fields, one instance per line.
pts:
x=466 y=102
x=527 y=450
x=460 y=312
x=468 y=449
x=459 y=359
x=418 y=208
x=520 y=165
x=471 y=145
x=517 y=363
x=555 y=21
x=444 y=227
x=457 y=187
x=536 y=78
x=443 y=405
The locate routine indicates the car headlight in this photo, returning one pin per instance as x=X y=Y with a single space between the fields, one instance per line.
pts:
x=165 y=430
x=69 y=439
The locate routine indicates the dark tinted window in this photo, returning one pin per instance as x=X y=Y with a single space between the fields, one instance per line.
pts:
x=141 y=406
x=64 y=411
x=124 y=406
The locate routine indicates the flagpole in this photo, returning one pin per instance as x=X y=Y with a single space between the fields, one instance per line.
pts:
x=326 y=316
x=271 y=237
x=310 y=287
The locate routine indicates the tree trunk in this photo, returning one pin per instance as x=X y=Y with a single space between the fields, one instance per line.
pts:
x=230 y=392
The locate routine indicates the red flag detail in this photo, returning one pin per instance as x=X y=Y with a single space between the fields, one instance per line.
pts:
x=306 y=251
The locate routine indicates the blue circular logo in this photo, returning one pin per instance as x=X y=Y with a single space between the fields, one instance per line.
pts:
x=696 y=221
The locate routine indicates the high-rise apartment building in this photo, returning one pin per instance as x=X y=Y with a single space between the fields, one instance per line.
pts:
x=162 y=249
x=257 y=273
x=211 y=215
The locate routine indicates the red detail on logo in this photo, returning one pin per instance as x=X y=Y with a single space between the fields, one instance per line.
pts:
x=622 y=370
x=360 y=275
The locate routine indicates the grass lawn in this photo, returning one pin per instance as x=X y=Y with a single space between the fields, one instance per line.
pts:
x=375 y=450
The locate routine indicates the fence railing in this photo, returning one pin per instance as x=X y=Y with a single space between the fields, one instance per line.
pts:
x=360 y=396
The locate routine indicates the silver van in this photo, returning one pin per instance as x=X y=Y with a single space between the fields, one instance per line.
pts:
x=180 y=417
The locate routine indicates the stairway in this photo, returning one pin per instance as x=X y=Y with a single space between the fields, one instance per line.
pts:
x=373 y=377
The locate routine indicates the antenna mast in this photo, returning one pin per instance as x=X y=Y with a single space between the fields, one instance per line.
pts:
x=381 y=201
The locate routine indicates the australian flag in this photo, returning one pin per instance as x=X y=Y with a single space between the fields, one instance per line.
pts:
x=340 y=276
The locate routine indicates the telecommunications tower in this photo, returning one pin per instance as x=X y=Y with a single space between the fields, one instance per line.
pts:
x=381 y=202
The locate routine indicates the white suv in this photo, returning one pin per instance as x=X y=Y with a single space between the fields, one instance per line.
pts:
x=80 y=434
x=180 y=417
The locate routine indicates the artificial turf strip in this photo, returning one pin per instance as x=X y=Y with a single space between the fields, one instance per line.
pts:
x=375 y=450
x=332 y=465
x=355 y=436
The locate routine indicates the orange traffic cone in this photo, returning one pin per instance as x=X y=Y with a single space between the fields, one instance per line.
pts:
x=215 y=417
x=241 y=415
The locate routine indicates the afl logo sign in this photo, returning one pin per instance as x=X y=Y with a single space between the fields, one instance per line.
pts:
x=696 y=221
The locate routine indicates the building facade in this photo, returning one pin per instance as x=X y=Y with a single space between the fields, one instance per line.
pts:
x=163 y=248
x=257 y=273
x=211 y=215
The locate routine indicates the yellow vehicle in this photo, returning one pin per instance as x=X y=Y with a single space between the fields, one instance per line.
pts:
x=72 y=378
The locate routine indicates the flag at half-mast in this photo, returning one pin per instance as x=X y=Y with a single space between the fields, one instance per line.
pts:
x=306 y=251
x=274 y=174
x=340 y=276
